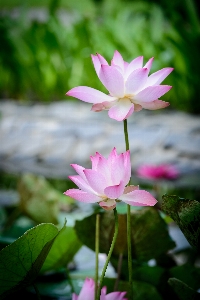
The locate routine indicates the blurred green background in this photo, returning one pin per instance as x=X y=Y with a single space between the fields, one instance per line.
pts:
x=46 y=45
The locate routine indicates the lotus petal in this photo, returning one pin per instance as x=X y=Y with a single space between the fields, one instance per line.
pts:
x=151 y=93
x=113 y=80
x=82 y=196
x=89 y=95
x=139 y=198
x=121 y=110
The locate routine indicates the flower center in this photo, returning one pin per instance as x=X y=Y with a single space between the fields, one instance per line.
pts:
x=104 y=198
x=127 y=98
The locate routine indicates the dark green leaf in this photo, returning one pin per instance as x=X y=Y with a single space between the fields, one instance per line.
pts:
x=189 y=274
x=141 y=290
x=152 y=275
x=186 y=213
x=63 y=250
x=150 y=237
x=150 y=234
x=183 y=291
x=21 y=261
x=58 y=289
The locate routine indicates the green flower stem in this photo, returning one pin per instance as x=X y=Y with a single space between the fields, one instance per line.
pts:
x=36 y=291
x=97 y=254
x=126 y=134
x=119 y=269
x=128 y=222
x=109 y=254
x=129 y=250
x=70 y=280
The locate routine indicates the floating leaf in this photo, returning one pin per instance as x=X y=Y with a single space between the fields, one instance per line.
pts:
x=21 y=261
x=186 y=213
x=150 y=236
x=63 y=250
x=183 y=291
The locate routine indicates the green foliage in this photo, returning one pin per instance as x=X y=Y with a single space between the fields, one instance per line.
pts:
x=152 y=275
x=145 y=291
x=58 y=288
x=148 y=228
x=186 y=213
x=188 y=274
x=150 y=240
x=141 y=290
x=63 y=250
x=39 y=200
x=42 y=60
x=183 y=291
x=22 y=260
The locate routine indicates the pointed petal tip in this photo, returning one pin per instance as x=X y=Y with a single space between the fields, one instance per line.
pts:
x=139 y=57
x=70 y=92
x=167 y=88
x=116 y=51
x=74 y=166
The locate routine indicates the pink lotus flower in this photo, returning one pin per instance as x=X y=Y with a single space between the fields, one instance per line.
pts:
x=163 y=171
x=106 y=182
x=130 y=88
x=87 y=292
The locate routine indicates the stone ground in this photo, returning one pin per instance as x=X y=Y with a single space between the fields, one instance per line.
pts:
x=46 y=139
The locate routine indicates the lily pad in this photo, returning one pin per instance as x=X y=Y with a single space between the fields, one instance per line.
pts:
x=186 y=213
x=21 y=261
